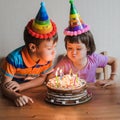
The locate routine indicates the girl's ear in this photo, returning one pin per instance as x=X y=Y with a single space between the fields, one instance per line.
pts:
x=88 y=49
x=32 y=47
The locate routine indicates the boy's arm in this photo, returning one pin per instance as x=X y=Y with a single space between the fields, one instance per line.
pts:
x=37 y=81
x=33 y=83
x=9 y=93
x=19 y=99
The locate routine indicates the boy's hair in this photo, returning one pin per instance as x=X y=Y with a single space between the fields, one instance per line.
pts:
x=85 y=38
x=30 y=39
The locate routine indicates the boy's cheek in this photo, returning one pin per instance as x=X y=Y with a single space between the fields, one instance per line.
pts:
x=50 y=57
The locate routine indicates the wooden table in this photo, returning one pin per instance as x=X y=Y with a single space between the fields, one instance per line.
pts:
x=104 y=105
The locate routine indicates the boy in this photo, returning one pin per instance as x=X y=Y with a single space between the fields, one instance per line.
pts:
x=27 y=66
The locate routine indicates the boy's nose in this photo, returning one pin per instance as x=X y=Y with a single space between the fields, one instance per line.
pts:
x=74 y=51
x=54 y=51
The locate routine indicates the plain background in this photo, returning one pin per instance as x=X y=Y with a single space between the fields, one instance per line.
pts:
x=102 y=15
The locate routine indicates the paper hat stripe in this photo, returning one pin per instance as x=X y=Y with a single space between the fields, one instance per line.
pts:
x=42 y=14
x=43 y=22
x=76 y=24
x=72 y=9
x=42 y=36
x=42 y=27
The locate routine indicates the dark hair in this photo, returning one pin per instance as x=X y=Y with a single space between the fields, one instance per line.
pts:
x=30 y=39
x=85 y=38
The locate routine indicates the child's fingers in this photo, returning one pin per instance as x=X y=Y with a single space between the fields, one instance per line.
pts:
x=9 y=85
x=16 y=89
x=27 y=99
x=30 y=99
x=12 y=85
x=50 y=71
x=19 y=102
x=23 y=100
x=100 y=82
x=108 y=84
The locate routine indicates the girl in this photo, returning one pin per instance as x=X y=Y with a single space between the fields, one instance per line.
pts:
x=81 y=57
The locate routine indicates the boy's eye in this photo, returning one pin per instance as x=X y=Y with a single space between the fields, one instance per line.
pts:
x=79 y=48
x=49 y=48
x=69 y=48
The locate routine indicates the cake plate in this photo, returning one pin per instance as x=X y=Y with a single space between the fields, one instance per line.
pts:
x=68 y=98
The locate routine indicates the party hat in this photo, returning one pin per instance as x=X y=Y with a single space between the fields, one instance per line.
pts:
x=42 y=27
x=76 y=24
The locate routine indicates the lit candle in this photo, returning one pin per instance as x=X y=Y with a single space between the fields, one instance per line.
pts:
x=56 y=74
x=77 y=79
x=61 y=74
x=74 y=80
x=70 y=72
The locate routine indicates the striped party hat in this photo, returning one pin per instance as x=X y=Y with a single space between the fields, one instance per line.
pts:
x=76 y=24
x=42 y=27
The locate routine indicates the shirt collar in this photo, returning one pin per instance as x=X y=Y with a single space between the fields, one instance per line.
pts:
x=28 y=60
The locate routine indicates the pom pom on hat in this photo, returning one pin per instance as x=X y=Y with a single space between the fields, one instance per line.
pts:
x=76 y=24
x=42 y=27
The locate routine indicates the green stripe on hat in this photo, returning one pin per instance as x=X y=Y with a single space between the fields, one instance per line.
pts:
x=72 y=9
x=42 y=22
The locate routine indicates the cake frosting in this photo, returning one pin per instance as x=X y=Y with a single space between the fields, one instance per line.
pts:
x=66 y=82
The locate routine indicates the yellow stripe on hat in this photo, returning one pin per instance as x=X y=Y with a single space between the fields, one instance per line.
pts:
x=42 y=29
x=34 y=24
x=74 y=15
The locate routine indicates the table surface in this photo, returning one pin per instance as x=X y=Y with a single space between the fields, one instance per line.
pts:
x=104 y=105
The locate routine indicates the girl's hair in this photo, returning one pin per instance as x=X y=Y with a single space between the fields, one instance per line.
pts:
x=85 y=38
x=30 y=39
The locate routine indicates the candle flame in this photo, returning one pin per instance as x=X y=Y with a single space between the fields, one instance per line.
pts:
x=56 y=73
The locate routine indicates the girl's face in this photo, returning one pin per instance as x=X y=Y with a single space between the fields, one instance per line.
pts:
x=46 y=51
x=76 y=51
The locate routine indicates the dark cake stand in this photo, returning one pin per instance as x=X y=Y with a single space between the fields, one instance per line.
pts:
x=68 y=96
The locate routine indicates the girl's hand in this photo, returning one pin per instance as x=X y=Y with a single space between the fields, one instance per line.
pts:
x=12 y=85
x=22 y=100
x=105 y=83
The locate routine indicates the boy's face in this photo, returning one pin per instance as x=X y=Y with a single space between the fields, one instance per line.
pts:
x=46 y=51
x=76 y=51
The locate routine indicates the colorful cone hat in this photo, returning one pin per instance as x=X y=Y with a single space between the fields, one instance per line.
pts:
x=76 y=24
x=42 y=27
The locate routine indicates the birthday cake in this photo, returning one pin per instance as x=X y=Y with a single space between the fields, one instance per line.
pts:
x=67 y=90
x=66 y=83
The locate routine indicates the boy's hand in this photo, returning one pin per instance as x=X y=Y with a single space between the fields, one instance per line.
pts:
x=12 y=85
x=104 y=83
x=23 y=100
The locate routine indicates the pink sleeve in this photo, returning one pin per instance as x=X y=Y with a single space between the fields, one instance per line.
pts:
x=63 y=64
x=101 y=60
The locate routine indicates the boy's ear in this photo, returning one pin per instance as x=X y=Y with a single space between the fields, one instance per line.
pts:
x=32 y=47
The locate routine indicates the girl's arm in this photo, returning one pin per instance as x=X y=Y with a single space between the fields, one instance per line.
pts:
x=114 y=63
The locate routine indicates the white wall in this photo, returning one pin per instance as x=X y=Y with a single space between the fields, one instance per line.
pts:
x=102 y=15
